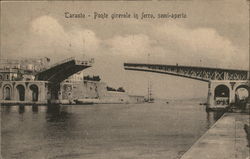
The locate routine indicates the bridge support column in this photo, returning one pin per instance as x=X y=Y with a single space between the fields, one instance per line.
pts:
x=232 y=92
x=210 y=95
x=28 y=94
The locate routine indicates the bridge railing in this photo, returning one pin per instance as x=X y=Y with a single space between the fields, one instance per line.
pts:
x=84 y=62
x=199 y=73
x=77 y=61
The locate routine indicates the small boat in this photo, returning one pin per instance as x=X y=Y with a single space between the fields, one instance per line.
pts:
x=203 y=103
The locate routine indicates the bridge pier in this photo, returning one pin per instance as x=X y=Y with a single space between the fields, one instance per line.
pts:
x=221 y=94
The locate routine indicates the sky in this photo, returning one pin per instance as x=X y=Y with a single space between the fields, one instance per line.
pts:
x=214 y=34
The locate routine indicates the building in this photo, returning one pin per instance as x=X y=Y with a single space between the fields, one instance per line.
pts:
x=18 y=84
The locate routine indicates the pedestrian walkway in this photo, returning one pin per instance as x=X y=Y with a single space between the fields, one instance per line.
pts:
x=226 y=139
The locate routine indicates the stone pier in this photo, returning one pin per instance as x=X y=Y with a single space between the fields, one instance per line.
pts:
x=226 y=139
x=223 y=93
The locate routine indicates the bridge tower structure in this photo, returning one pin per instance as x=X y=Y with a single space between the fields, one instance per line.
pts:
x=223 y=84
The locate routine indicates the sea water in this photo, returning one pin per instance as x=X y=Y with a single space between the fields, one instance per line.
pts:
x=103 y=131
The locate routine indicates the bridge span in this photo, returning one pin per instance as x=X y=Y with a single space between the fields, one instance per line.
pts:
x=60 y=71
x=205 y=74
x=223 y=84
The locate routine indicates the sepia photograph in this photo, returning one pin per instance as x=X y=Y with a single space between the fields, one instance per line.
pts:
x=126 y=79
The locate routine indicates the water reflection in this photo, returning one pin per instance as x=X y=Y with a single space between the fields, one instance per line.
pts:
x=57 y=113
x=209 y=119
x=34 y=108
x=21 y=109
x=6 y=109
x=213 y=116
x=218 y=114
x=103 y=130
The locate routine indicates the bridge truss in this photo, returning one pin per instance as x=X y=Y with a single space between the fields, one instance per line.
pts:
x=198 y=73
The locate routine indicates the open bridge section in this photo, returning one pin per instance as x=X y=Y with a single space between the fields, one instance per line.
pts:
x=194 y=72
x=60 y=71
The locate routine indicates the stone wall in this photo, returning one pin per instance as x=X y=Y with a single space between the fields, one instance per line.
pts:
x=93 y=90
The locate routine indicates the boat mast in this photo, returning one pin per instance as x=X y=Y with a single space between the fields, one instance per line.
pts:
x=149 y=82
x=150 y=91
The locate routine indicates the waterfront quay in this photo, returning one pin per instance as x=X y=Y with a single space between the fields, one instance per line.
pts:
x=36 y=81
x=226 y=139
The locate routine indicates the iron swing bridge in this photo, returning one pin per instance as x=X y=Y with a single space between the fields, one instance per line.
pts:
x=60 y=71
x=222 y=83
x=205 y=74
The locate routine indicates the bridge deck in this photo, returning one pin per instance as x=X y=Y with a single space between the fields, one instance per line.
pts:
x=62 y=70
x=199 y=73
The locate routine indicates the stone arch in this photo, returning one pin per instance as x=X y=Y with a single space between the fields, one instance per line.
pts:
x=222 y=94
x=245 y=97
x=21 y=92
x=35 y=92
x=7 y=92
